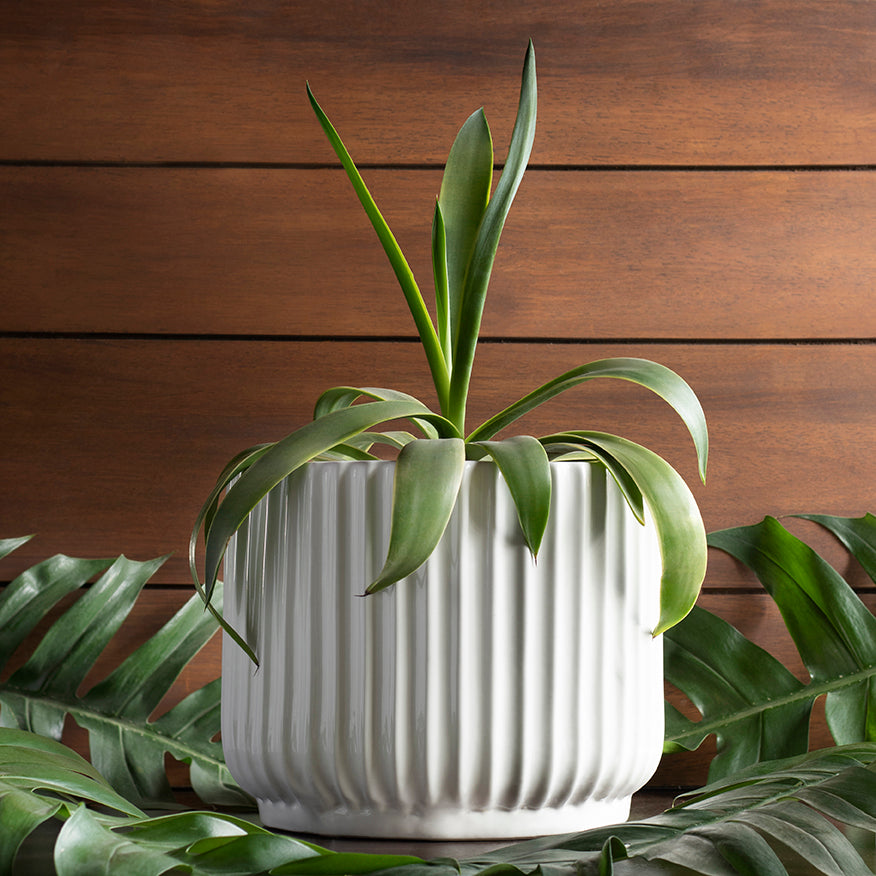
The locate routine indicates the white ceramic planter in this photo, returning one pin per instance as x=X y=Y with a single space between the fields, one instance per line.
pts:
x=483 y=697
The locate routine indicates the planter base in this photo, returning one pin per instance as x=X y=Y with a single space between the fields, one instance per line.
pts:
x=451 y=824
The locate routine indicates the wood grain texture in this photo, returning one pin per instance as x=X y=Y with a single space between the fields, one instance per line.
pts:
x=585 y=255
x=111 y=446
x=627 y=82
x=702 y=194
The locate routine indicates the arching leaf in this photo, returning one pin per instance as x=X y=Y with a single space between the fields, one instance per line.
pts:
x=524 y=465
x=658 y=378
x=677 y=521
x=427 y=479
x=480 y=265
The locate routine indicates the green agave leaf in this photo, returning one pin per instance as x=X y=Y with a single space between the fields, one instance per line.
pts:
x=345 y=451
x=754 y=706
x=359 y=446
x=427 y=479
x=761 y=821
x=125 y=746
x=403 y=273
x=658 y=378
x=235 y=466
x=392 y=438
x=480 y=264
x=8 y=545
x=465 y=192
x=280 y=460
x=563 y=451
x=442 y=292
x=344 y=396
x=677 y=520
x=524 y=465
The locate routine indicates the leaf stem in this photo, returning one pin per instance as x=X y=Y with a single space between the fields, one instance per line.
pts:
x=810 y=691
x=146 y=730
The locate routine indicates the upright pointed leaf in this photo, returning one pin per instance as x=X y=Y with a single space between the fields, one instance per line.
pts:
x=525 y=468
x=8 y=545
x=403 y=273
x=480 y=266
x=442 y=292
x=465 y=192
x=427 y=479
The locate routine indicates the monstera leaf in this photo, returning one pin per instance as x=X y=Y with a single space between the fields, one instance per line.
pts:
x=104 y=833
x=765 y=821
x=126 y=747
x=771 y=818
x=39 y=779
x=755 y=707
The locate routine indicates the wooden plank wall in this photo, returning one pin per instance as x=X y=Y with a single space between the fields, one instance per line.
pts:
x=184 y=267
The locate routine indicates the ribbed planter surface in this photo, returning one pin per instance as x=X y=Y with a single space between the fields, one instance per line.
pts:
x=485 y=696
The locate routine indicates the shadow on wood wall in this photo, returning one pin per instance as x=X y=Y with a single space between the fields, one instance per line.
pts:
x=185 y=267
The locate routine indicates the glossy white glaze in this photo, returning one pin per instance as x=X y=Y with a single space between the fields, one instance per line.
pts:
x=485 y=696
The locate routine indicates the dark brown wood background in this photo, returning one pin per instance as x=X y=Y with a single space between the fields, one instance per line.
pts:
x=185 y=268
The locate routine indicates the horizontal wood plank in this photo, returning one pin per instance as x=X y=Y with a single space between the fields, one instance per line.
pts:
x=110 y=446
x=585 y=255
x=628 y=82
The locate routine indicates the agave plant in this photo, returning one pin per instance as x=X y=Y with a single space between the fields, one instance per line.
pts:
x=467 y=225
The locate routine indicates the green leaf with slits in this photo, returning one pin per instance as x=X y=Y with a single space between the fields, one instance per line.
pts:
x=754 y=706
x=126 y=746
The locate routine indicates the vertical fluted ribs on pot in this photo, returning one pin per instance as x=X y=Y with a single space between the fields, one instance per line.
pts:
x=485 y=689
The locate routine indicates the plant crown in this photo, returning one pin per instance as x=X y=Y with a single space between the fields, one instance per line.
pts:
x=466 y=228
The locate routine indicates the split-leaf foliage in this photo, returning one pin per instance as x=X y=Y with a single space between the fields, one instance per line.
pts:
x=467 y=224
x=814 y=812
x=761 y=821
x=126 y=746
x=756 y=708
